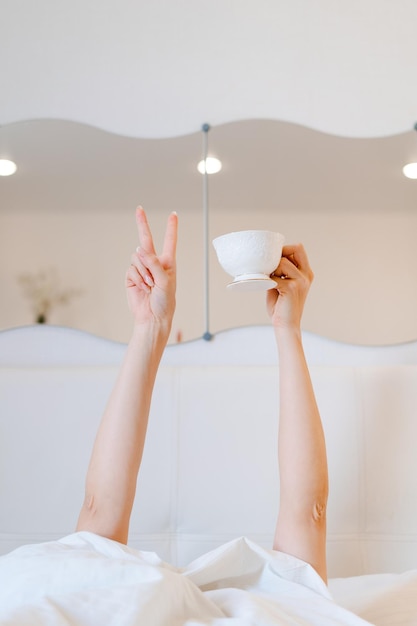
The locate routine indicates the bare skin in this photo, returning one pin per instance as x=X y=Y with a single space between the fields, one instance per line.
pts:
x=301 y=525
x=117 y=452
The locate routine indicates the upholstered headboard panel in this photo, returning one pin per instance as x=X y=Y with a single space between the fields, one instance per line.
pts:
x=209 y=471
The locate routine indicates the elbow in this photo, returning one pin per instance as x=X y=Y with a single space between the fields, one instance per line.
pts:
x=106 y=521
x=318 y=507
x=88 y=513
x=319 y=510
x=310 y=511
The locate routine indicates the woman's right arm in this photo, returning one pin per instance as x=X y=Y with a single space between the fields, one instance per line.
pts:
x=301 y=524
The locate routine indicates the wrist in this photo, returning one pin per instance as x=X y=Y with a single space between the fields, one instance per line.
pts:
x=153 y=333
x=284 y=333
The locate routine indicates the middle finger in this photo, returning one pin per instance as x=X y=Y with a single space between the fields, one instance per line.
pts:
x=145 y=235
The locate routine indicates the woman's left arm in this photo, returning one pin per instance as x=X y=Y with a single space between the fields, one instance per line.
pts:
x=301 y=524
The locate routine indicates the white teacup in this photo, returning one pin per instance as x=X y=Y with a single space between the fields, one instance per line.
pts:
x=250 y=256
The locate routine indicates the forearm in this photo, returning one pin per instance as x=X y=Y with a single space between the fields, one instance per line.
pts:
x=118 y=448
x=301 y=524
x=301 y=448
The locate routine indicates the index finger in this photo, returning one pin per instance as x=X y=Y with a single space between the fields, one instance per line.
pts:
x=170 y=239
x=297 y=255
x=145 y=235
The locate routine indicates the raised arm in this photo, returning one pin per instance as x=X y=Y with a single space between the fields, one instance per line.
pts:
x=301 y=525
x=118 y=448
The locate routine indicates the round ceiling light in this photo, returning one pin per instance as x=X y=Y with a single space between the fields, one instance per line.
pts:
x=410 y=170
x=7 y=168
x=213 y=165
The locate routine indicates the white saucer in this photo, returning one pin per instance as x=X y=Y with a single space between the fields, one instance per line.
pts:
x=252 y=284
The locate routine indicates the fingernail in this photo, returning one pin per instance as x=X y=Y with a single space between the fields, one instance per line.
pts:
x=149 y=281
x=138 y=249
x=174 y=213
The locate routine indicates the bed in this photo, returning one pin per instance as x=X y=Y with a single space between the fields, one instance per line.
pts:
x=209 y=483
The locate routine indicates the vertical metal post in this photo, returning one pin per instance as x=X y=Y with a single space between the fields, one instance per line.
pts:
x=207 y=334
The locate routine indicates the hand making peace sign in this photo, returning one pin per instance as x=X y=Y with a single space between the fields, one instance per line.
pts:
x=151 y=279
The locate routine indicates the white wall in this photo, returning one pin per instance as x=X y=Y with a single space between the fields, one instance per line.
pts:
x=365 y=289
x=162 y=68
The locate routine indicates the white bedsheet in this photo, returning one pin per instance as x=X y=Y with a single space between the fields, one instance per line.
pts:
x=86 y=580
x=383 y=599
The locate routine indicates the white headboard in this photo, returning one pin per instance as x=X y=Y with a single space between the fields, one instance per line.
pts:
x=209 y=471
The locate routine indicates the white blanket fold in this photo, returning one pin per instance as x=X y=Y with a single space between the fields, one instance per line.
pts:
x=87 y=580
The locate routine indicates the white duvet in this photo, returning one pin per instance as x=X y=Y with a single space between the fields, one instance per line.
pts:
x=87 y=580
